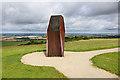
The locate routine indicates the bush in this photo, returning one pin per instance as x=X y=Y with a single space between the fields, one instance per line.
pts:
x=85 y=38
x=75 y=38
x=34 y=42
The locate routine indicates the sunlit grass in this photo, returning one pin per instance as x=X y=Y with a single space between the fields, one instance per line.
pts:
x=107 y=61
x=88 y=45
x=13 y=68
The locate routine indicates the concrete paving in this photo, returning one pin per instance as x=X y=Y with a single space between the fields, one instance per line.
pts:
x=72 y=65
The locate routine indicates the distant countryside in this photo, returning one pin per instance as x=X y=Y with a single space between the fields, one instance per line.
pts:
x=29 y=39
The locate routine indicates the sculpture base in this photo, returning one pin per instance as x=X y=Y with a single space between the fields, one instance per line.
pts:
x=53 y=55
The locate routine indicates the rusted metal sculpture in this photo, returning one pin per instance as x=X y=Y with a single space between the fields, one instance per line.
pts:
x=55 y=37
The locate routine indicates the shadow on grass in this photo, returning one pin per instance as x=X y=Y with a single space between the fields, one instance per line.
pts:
x=44 y=51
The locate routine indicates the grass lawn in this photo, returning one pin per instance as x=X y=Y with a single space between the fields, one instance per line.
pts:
x=88 y=45
x=13 y=68
x=107 y=61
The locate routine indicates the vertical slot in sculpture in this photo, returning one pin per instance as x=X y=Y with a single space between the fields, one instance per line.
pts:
x=55 y=37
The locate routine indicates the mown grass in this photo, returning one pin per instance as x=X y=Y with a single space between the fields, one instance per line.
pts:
x=88 y=45
x=13 y=68
x=107 y=61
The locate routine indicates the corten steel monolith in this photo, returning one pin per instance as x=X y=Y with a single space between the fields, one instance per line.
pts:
x=55 y=36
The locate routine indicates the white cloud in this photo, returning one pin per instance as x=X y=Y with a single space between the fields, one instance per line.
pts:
x=79 y=16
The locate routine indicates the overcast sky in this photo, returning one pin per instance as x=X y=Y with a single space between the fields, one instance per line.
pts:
x=85 y=17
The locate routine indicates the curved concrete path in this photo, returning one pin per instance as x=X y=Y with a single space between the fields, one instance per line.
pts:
x=72 y=65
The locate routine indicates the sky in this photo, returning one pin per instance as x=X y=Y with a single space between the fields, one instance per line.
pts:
x=80 y=17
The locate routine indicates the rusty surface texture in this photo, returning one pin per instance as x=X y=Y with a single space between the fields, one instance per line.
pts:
x=55 y=37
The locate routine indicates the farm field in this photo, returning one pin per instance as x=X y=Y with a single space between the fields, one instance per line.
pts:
x=11 y=43
x=107 y=61
x=13 y=68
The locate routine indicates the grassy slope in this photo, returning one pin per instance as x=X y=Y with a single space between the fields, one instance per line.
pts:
x=11 y=55
x=107 y=61
x=88 y=45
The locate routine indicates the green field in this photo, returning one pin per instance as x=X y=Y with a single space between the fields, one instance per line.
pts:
x=13 y=68
x=107 y=61
x=88 y=45
x=81 y=45
x=11 y=43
